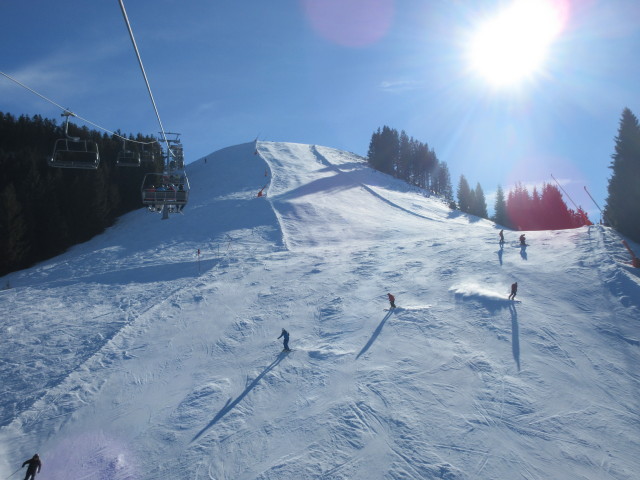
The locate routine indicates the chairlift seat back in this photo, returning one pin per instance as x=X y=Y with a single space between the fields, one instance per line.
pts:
x=128 y=158
x=75 y=153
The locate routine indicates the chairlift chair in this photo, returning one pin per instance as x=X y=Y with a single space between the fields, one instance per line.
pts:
x=128 y=158
x=147 y=156
x=160 y=189
x=167 y=192
x=74 y=152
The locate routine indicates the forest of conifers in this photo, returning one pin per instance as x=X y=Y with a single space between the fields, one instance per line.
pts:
x=397 y=154
x=45 y=210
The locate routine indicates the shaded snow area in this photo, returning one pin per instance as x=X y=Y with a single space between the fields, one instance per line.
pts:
x=131 y=357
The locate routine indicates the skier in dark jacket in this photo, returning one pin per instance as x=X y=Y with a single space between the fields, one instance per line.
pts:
x=514 y=290
x=501 y=237
x=34 y=467
x=285 y=341
x=523 y=242
x=392 y=300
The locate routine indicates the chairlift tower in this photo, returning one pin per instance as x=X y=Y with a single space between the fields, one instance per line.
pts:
x=167 y=192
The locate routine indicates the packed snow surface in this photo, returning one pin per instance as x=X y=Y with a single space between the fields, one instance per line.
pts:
x=133 y=357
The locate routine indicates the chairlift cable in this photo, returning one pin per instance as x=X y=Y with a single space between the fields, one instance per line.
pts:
x=144 y=73
x=68 y=112
x=33 y=91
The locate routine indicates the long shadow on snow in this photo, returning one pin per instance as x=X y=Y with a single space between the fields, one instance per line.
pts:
x=515 y=334
x=341 y=167
x=230 y=405
x=457 y=213
x=337 y=182
x=375 y=335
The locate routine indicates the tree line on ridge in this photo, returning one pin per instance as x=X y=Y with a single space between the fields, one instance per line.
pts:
x=403 y=157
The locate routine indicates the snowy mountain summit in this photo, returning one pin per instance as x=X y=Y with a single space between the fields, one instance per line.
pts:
x=152 y=352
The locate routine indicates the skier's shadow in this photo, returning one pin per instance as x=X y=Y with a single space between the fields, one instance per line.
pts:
x=375 y=334
x=515 y=334
x=523 y=252
x=230 y=405
x=500 y=252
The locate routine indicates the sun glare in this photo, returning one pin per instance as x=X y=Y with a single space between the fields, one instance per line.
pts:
x=513 y=45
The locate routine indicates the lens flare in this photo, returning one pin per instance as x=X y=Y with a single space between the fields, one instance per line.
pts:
x=350 y=23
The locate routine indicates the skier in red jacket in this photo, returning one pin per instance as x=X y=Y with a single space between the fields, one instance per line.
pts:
x=392 y=300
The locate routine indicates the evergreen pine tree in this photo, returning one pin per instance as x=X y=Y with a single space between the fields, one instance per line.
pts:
x=444 y=186
x=389 y=150
x=622 y=208
x=405 y=157
x=464 y=195
x=433 y=168
x=500 y=209
x=479 y=203
x=420 y=164
x=17 y=242
x=373 y=154
x=537 y=211
x=553 y=212
x=471 y=209
x=518 y=207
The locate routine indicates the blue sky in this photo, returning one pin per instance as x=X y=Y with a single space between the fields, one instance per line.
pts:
x=330 y=73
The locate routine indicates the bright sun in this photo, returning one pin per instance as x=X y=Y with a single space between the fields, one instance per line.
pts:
x=513 y=45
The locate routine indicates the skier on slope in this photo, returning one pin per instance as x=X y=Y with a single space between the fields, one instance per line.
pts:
x=392 y=300
x=501 y=237
x=523 y=242
x=514 y=290
x=34 y=467
x=285 y=341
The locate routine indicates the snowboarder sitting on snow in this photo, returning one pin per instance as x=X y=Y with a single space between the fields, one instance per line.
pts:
x=285 y=341
x=34 y=467
x=514 y=290
x=392 y=300
x=522 y=240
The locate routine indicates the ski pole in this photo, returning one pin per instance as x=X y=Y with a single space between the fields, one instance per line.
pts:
x=14 y=473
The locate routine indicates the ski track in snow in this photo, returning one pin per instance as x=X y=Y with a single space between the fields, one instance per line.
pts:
x=129 y=357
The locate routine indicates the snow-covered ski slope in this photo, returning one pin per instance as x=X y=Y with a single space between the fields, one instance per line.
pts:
x=130 y=357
